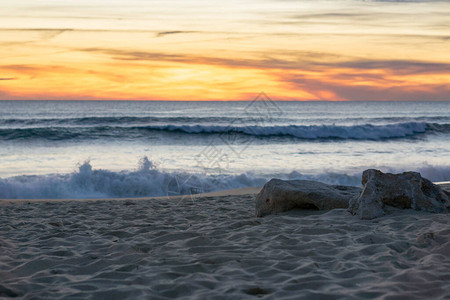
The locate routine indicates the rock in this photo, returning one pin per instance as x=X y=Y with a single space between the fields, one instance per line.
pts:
x=446 y=188
x=56 y=224
x=425 y=239
x=282 y=195
x=406 y=190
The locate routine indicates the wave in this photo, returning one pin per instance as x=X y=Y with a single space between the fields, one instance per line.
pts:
x=312 y=132
x=178 y=120
x=115 y=121
x=148 y=181
x=357 y=132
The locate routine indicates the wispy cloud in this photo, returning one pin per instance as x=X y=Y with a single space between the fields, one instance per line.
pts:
x=8 y=78
x=368 y=87
x=400 y=67
x=18 y=67
x=313 y=61
x=164 y=33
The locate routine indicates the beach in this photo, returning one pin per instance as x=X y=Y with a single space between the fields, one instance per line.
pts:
x=258 y=149
x=213 y=247
x=81 y=219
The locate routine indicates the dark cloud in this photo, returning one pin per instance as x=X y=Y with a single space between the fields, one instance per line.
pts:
x=164 y=33
x=138 y=55
x=19 y=67
x=8 y=78
x=399 y=67
x=387 y=92
x=347 y=17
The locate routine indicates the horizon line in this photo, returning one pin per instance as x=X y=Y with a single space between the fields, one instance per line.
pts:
x=240 y=100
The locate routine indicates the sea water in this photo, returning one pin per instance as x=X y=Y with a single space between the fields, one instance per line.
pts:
x=78 y=149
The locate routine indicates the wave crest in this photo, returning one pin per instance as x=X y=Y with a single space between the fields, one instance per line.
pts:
x=311 y=132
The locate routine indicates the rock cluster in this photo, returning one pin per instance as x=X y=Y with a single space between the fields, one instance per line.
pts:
x=405 y=190
x=380 y=191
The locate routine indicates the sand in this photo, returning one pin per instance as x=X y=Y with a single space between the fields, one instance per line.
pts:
x=212 y=247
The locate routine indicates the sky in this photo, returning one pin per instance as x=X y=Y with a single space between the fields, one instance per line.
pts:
x=225 y=50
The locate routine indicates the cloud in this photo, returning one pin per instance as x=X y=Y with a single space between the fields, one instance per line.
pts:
x=137 y=55
x=336 y=17
x=408 y=93
x=19 y=68
x=307 y=61
x=50 y=33
x=62 y=30
x=300 y=59
x=399 y=67
x=164 y=33
x=325 y=74
x=47 y=33
x=381 y=90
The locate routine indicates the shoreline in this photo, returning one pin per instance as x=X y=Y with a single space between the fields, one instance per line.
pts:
x=224 y=193
x=445 y=185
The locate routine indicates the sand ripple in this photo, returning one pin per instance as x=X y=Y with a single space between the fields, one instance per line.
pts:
x=213 y=248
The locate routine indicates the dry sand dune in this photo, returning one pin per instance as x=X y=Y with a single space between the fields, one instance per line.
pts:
x=212 y=247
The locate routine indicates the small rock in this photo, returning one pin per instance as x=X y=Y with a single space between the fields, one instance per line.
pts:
x=56 y=224
x=425 y=238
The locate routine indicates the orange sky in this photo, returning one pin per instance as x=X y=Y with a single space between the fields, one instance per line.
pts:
x=198 y=50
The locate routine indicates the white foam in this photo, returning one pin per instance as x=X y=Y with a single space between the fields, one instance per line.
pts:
x=148 y=181
x=358 y=132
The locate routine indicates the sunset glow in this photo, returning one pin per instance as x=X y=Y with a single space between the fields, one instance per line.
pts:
x=199 y=50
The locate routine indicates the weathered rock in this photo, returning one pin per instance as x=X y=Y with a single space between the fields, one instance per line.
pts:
x=280 y=195
x=406 y=190
x=446 y=188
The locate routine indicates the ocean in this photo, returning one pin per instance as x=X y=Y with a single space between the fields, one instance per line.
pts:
x=105 y=149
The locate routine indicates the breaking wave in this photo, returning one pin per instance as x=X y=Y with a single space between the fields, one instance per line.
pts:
x=148 y=181
x=311 y=132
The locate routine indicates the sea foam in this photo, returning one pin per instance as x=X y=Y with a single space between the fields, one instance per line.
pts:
x=149 y=181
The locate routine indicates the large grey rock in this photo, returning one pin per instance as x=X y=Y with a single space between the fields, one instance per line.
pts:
x=280 y=195
x=406 y=190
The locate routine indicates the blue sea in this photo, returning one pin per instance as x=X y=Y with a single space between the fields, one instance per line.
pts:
x=91 y=149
